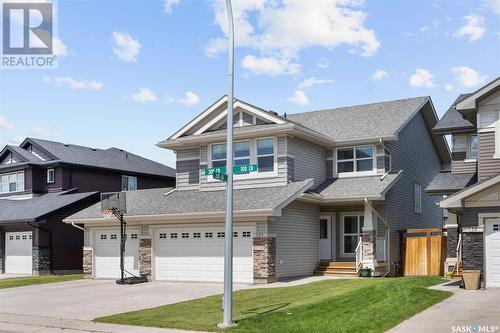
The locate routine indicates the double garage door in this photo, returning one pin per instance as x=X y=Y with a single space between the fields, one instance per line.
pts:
x=18 y=252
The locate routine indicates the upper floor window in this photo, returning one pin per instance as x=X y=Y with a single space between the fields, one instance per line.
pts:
x=242 y=153
x=219 y=155
x=356 y=159
x=472 y=149
x=417 y=203
x=129 y=183
x=50 y=176
x=12 y=182
x=260 y=151
x=265 y=155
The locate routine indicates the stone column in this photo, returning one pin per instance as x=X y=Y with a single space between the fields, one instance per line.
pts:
x=41 y=260
x=451 y=241
x=88 y=262
x=369 y=248
x=472 y=251
x=264 y=259
x=145 y=257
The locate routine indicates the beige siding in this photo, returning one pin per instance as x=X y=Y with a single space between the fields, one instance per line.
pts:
x=297 y=239
x=462 y=166
x=309 y=160
x=187 y=169
x=488 y=166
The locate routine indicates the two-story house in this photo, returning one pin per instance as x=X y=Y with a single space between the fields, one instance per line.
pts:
x=42 y=182
x=333 y=187
x=472 y=185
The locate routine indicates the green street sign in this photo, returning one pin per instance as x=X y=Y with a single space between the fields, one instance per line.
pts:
x=246 y=168
x=220 y=176
x=211 y=171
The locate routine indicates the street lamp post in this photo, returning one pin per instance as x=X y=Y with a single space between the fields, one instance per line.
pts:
x=227 y=306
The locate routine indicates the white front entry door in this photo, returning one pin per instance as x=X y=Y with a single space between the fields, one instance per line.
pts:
x=325 y=238
x=107 y=253
x=197 y=254
x=18 y=252
x=492 y=254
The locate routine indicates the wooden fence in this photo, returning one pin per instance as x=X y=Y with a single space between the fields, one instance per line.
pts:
x=423 y=252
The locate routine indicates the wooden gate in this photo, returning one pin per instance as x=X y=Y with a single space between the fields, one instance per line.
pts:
x=423 y=251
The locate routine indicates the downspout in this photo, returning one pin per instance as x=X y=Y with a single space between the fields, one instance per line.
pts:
x=388 y=267
x=51 y=255
x=77 y=226
x=390 y=158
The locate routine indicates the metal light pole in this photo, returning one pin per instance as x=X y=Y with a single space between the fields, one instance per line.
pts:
x=227 y=306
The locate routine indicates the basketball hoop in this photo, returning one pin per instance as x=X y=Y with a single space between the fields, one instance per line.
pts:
x=107 y=213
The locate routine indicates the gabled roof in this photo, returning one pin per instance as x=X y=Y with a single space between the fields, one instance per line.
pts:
x=472 y=100
x=447 y=183
x=29 y=210
x=454 y=121
x=456 y=200
x=165 y=202
x=111 y=158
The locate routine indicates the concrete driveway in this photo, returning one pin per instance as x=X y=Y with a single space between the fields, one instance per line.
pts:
x=465 y=311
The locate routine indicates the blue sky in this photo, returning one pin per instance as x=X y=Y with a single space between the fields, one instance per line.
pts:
x=132 y=72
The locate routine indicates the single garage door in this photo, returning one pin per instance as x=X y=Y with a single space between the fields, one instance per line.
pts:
x=197 y=254
x=18 y=252
x=492 y=253
x=107 y=253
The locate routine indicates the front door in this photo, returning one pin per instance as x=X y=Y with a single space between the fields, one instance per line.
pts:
x=325 y=238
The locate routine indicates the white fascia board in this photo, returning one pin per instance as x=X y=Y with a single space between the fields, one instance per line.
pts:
x=308 y=183
x=456 y=200
x=471 y=102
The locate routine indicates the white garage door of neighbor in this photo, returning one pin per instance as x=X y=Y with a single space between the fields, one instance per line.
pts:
x=107 y=253
x=197 y=254
x=492 y=253
x=18 y=252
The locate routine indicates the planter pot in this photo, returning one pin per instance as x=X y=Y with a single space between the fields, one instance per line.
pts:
x=365 y=272
x=472 y=279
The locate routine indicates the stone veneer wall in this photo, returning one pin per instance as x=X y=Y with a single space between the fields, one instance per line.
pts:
x=369 y=249
x=472 y=251
x=452 y=242
x=264 y=259
x=87 y=263
x=41 y=260
x=145 y=257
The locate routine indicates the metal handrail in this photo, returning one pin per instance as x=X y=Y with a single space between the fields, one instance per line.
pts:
x=359 y=254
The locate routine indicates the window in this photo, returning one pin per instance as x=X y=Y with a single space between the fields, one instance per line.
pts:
x=112 y=236
x=209 y=235
x=242 y=153
x=12 y=182
x=246 y=234
x=18 y=237
x=355 y=159
x=103 y=237
x=218 y=155
x=235 y=234
x=323 y=229
x=173 y=235
x=472 y=149
x=265 y=155
x=221 y=234
x=496 y=227
x=24 y=237
x=163 y=235
x=417 y=192
x=134 y=236
x=50 y=176
x=196 y=234
x=11 y=237
x=352 y=226
x=185 y=235
x=129 y=183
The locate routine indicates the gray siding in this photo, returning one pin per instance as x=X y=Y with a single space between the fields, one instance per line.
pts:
x=414 y=153
x=471 y=215
x=297 y=239
x=460 y=166
x=188 y=169
x=309 y=160
x=488 y=166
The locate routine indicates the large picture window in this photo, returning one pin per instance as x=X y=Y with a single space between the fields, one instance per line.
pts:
x=12 y=182
x=356 y=159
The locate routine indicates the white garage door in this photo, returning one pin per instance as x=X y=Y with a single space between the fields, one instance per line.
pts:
x=492 y=253
x=18 y=252
x=197 y=254
x=107 y=253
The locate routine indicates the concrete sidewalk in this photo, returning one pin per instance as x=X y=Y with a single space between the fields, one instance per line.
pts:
x=465 y=311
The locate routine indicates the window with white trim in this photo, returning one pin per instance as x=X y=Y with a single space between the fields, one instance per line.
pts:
x=12 y=182
x=113 y=236
x=163 y=235
x=51 y=176
x=196 y=234
x=129 y=183
x=219 y=155
x=352 y=229
x=246 y=234
x=417 y=198
x=355 y=159
x=472 y=147
x=173 y=235
x=242 y=153
x=209 y=235
x=265 y=155
x=134 y=236
x=221 y=234
x=185 y=235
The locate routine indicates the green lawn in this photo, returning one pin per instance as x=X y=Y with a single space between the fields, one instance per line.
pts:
x=357 y=305
x=32 y=280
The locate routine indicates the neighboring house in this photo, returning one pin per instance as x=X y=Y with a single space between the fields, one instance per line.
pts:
x=42 y=182
x=473 y=183
x=333 y=186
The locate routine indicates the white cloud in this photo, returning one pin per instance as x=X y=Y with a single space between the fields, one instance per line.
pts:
x=323 y=63
x=126 y=47
x=422 y=79
x=5 y=124
x=467 y=77
x=39 y=131
x=168 y=4
x=59 y=48
x=279 y=30
x=473 y=28
x=144 y=95
x=270 y=65
x=74 y=83
x=189 y=99
x=313 y=81
x=449 y=87
x=494 y=5
x=379 y=74
x=299 y=97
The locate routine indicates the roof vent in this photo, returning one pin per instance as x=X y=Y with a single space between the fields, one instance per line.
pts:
x=94 y=149
x=66 y=145
x=273 y=112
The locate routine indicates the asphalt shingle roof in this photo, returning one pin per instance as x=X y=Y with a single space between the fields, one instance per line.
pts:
x=31 y=209
x=154 y=201
x=360 y=122
x=24 y=154
x=447 y=182
x=452 y=119
x=356 y=187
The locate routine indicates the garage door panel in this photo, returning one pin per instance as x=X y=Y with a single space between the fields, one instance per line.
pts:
x=107 y=256
x=18 y=252
x=492 y=238
x=199 y=255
